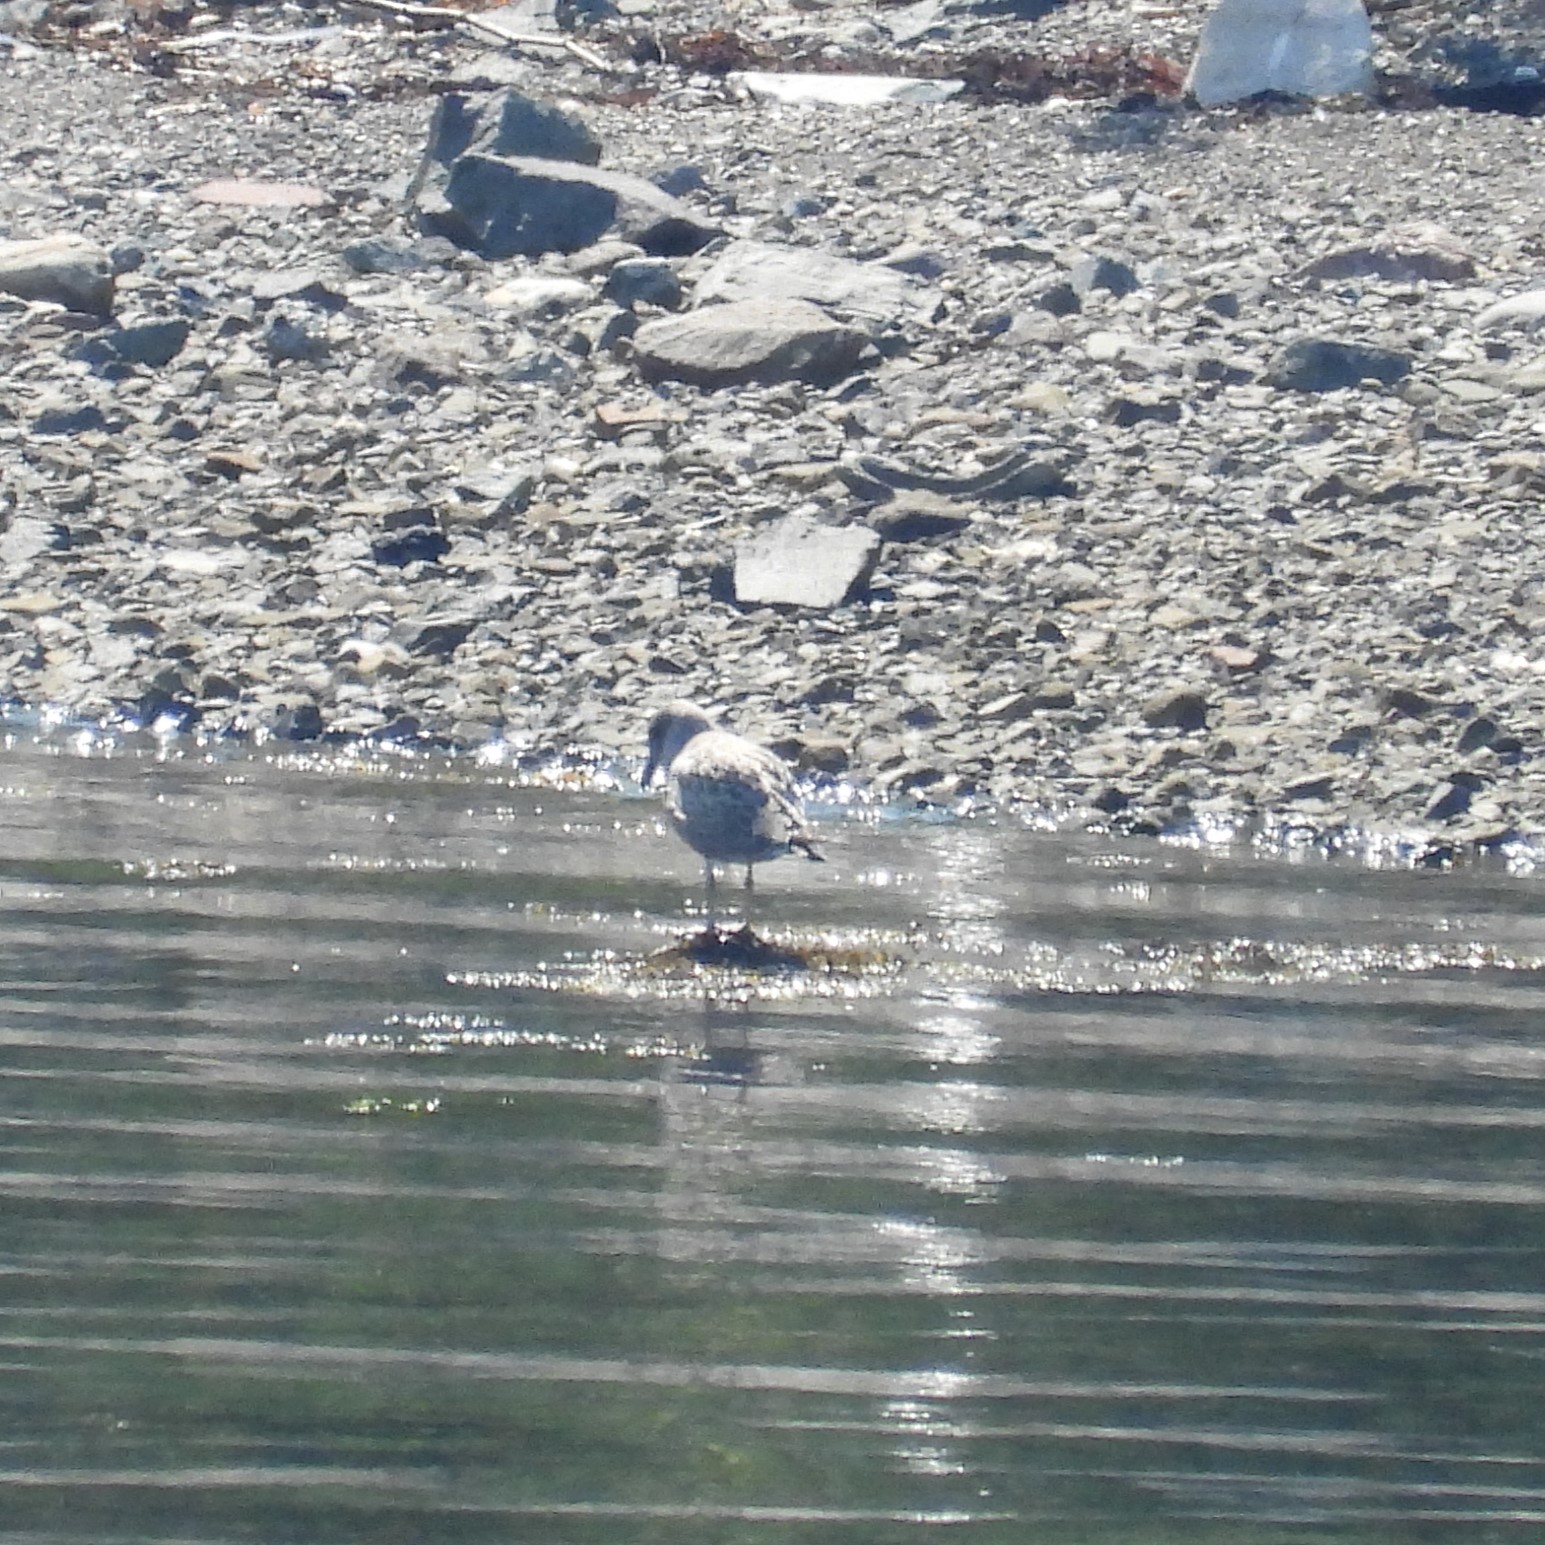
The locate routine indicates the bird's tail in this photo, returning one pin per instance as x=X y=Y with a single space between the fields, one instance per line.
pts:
x=808 y=848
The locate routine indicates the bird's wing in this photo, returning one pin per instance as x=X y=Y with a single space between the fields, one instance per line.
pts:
x=782 y=818
x=746 y=773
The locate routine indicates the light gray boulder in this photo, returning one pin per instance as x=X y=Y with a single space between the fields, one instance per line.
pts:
x=1305 y=48
x=872 y=294
x=68 y=270
x=753 y=340
x=800 y=562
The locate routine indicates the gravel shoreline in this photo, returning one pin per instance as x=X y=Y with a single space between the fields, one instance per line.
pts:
x=447 y=504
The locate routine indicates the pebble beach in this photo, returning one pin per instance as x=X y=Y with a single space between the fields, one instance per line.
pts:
x=1194 y=458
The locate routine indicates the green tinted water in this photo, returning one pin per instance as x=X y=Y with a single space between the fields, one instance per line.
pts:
x=364 y=1181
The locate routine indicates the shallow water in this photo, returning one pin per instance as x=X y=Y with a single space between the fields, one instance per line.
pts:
x=364 y=1179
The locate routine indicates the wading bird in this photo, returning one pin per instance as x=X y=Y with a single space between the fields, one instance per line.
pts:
x=728 y=798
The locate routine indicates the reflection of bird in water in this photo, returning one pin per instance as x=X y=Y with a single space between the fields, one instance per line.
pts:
x=732 y=800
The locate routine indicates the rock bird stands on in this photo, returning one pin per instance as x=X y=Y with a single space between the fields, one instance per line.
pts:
x=732 y=800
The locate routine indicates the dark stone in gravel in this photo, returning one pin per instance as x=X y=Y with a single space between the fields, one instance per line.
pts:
x=911 y=519
x=438 y=638
x=1181 y=708
x=152 y=344
x=652 y=281
x=509 y=206
x=1454 y=798
x=1324 y=365
x=421 y=544
x=384 y=255
x=1479 y=733
x=1061 y=299
x=70 y=421
x=1101 y=273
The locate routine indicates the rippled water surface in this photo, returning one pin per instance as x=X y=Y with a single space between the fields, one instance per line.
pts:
x=364 y=1179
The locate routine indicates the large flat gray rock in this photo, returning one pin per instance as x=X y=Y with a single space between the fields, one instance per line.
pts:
x=800 y=562
x=67 y=270
x=522 y=206
x=765 y=341
x=870 y=293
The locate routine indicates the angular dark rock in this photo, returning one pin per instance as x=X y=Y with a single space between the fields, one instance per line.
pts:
x=384 y=255
x=800 y=562
x=1182 y=708
x=918 y=517
x=1061 y=299
x=507 y=124
x=1101 y=273
x=1325 y=365
x=512 y=206
x=152 y=344
x=652 y=281
x=419 y=544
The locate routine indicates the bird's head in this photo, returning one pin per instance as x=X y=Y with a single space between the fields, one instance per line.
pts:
x=669 y=731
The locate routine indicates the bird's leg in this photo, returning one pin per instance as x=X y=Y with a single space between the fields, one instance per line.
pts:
x=713 y=926
x=746 y=921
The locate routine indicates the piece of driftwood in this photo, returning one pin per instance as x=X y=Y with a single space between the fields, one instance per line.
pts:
x=437 y=17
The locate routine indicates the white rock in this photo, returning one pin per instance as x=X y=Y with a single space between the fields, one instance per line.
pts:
x=539 y=294
x=1529 y=306
x=846 y=90
x=1307 y=48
